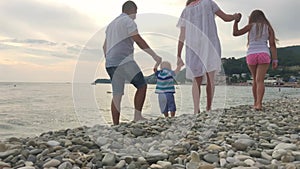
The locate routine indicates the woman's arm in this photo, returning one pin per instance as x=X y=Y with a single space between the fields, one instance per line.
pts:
x=180 y=44
x=181 y=41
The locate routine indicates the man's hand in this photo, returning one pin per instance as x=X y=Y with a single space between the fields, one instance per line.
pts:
x=157 y=59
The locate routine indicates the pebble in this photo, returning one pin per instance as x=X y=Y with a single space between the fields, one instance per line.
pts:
x=237 y=138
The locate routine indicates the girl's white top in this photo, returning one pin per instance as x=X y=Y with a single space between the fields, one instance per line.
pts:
x=203 y=50
x=258 y=43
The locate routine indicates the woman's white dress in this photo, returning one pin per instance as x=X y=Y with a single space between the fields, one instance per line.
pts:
x=203 y=50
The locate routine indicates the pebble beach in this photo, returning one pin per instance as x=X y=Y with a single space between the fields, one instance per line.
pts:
x=237 y=137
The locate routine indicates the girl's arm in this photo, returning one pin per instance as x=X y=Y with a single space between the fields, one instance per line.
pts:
x=272 y=44
x=227 y=17
x=239 y=32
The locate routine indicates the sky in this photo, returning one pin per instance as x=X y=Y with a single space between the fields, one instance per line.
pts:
x=61 y=40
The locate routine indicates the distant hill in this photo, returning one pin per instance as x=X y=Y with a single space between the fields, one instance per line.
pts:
x=288 y=57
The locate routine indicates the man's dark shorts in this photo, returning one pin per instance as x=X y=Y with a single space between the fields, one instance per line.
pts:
x=127 y=72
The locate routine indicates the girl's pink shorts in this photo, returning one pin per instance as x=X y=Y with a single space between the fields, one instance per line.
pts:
x=258 y=58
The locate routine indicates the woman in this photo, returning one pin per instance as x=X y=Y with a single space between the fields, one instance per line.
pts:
x=203 y=51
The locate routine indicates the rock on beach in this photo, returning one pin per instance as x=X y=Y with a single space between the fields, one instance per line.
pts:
x=236 y=137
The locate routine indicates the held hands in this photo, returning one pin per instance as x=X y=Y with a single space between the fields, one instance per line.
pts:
x=237 y=17
x=157 y=59
x=156 y=66
x=179 y=62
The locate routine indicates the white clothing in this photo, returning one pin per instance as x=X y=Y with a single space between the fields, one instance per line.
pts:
x=119 y=44
x=203 y=49
x=258 y=43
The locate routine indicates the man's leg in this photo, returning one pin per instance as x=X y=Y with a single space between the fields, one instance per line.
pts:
x=117 y=81
x=139 y=100
x=136 y=77
x=115 y=108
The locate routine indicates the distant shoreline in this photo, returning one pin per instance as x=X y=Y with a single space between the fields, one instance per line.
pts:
x=285 y=85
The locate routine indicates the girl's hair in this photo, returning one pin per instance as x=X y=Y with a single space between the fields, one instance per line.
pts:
x=189 y=1
x=259 y=18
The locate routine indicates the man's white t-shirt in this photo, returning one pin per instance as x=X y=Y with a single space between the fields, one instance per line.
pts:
x=119 y=44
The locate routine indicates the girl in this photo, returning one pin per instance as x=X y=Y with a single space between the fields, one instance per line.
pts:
x=258 y=59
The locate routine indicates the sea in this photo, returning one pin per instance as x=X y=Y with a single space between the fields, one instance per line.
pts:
x=29 y=109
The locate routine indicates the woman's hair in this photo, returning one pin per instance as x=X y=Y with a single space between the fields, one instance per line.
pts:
x=259 y=18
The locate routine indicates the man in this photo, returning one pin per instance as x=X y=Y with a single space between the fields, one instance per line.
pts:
x=121 y=34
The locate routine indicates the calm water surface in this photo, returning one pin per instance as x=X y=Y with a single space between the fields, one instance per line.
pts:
x=28 y=109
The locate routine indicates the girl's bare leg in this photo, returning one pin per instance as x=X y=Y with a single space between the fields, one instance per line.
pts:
x=252 y=69
x=260 y=90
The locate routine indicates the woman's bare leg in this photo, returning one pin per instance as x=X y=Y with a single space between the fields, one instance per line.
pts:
x=196 y=92
x=210 y=89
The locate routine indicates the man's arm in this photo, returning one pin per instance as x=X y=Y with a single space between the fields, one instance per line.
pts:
x=144 y=46
x=104 y=48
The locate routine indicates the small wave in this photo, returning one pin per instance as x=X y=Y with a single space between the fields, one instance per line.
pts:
x=17 y=122
x=6 y=127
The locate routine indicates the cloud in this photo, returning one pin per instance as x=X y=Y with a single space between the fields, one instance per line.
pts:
x=38 y=35
x=283 y=15
x=40 y=49
x=33 y=19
